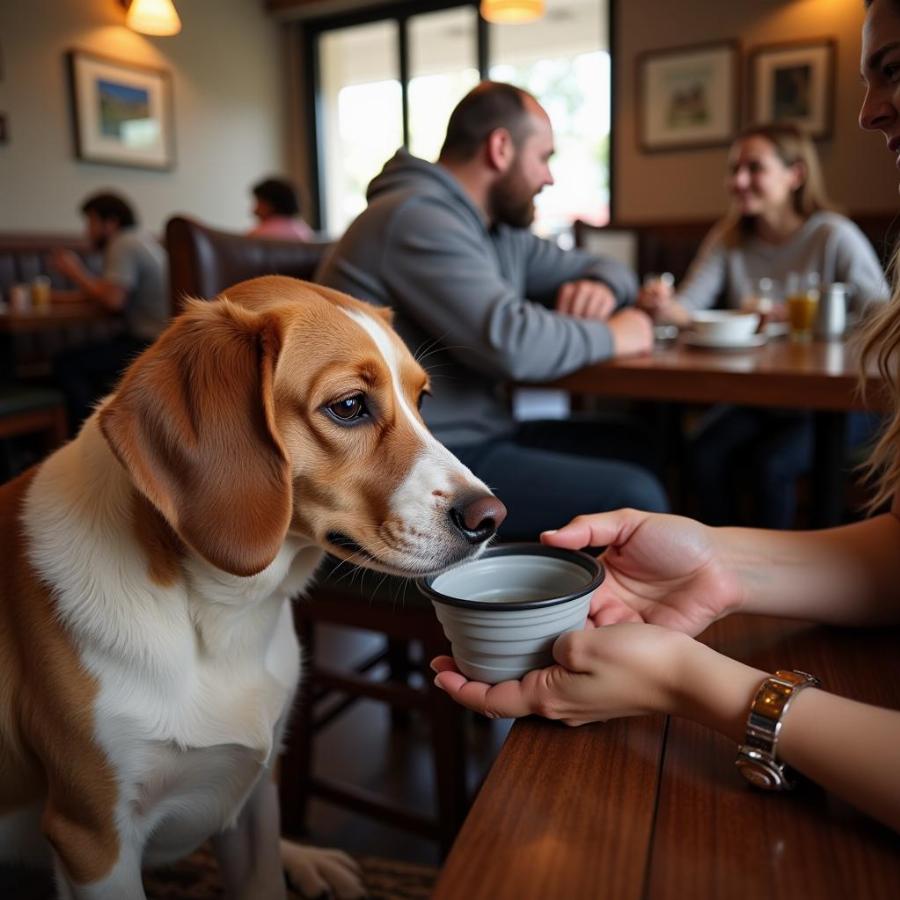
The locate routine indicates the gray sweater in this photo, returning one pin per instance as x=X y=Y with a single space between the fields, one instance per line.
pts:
x=137 y=262
x=473 y=302
x=827 y=243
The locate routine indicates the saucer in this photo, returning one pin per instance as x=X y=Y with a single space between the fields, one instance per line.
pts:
x=710 y=343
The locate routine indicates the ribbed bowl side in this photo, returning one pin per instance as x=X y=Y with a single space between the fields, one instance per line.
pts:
x=496 y=645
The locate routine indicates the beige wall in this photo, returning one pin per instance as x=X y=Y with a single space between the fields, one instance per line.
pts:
x=687 y=184
x=229 y=99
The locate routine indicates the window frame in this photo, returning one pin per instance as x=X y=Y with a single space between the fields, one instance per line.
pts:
x=401 y=13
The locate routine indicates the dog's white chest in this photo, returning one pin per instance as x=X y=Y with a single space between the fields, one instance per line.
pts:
x=187 y=795
x=188 y=759
x=205 y=690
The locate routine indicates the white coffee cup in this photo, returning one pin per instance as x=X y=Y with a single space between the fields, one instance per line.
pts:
x=726 y=325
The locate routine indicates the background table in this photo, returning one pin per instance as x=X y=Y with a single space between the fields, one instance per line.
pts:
x=61 y=315
x=818 y=376
x=42 y=334
x=654 y=808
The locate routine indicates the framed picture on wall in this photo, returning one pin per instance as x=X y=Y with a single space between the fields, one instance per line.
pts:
x=688 y=96
x=794 y=82
x=121 y=112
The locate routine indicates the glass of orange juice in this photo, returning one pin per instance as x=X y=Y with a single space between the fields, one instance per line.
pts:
x=802 y=298
x=40 y=294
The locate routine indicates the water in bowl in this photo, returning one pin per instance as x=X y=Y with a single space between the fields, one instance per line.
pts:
x=513 y=579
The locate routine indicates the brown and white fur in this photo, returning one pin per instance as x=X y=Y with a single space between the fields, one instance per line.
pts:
x=147 y=655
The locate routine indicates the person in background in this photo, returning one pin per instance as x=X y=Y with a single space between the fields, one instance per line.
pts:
x=780 y=222
x=277 y=210
x=669 y=577
x=484 y=302
x=134 y=283
x=780 y=226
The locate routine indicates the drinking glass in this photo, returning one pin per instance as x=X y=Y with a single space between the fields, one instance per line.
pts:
x=40 y=293
x=802 y=297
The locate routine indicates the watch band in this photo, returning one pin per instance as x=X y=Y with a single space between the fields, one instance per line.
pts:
x=757 y=760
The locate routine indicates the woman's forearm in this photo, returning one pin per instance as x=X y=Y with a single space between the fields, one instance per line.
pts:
x=713 y=689
x=848 y=747
x=848 y=575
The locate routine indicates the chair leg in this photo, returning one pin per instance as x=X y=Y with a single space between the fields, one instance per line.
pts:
x=399 y=665
x=295 y=771
x=447 y=722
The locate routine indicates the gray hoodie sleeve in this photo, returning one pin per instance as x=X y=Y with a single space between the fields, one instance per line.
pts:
x=446 y=278
x=549 y=267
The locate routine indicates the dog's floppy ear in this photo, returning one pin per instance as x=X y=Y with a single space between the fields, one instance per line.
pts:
x=193 y=421
x=385 y=312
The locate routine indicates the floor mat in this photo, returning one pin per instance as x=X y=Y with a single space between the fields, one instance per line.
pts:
x=197 y=878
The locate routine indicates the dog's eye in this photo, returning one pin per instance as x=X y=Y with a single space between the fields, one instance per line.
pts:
x=349 y=409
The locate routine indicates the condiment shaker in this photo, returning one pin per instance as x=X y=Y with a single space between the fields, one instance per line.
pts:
x=831 y=321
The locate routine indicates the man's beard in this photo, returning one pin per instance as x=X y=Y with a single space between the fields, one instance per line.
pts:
x=511 y=200
x=99 y=242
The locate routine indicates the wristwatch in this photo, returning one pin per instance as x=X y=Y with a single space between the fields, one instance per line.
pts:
x=756 y=759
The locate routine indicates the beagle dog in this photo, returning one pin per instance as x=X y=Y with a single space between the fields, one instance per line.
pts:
x=148 y=658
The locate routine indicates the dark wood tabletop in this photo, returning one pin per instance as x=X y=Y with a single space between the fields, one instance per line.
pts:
x=815 y=375
x=653 y=808
x=61 y=315
x=820 y=376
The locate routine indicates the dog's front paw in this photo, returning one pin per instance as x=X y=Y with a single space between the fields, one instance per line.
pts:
x=318 y=872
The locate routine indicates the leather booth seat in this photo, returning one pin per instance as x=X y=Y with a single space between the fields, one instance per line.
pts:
x=671 y=246
x=204 y=260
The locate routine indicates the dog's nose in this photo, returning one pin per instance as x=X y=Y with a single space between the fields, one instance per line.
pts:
x=478 y=518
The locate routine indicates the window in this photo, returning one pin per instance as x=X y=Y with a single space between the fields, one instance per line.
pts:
x=443 y=68
x=361 y=114
x=391 y=77
x=564 y=62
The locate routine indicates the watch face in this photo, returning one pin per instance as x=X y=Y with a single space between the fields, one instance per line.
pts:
x=761 y=773
x=755 y=775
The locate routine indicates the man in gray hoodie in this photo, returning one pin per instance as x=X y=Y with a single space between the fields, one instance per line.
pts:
x=482 y=301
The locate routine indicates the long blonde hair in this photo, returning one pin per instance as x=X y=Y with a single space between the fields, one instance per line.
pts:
x=879 y=342
x=792 y=146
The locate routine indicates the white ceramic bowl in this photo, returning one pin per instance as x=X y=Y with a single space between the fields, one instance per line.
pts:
x=728 y=325
x=503 y=611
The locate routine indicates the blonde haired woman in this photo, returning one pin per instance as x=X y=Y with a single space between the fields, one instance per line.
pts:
x=670 y=577
x=780 y=223
x=780 y=226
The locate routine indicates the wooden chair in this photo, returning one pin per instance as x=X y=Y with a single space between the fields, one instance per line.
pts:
x=203 y=262
x=32 y=410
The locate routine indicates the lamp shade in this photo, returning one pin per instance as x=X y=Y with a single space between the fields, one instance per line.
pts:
x=509 y=11
x=153 y=17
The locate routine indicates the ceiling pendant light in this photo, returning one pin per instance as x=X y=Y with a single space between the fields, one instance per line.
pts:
x=504 y=12
x=157 y=17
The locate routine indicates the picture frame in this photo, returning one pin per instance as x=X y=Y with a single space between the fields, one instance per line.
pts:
x=794 y=82
x=688 y=96
x=121 y=112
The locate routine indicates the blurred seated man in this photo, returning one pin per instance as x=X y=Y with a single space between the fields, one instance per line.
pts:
x=483 y=302
x=134 y=283
x=277 y=209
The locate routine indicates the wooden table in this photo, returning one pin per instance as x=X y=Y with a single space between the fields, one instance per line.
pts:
x=818 y=376
x=653 y=808
x=36 y=328
x=61 y=315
